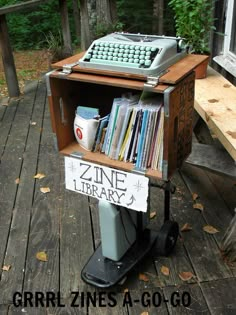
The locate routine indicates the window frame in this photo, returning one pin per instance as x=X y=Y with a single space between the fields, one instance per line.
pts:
x=227 y=59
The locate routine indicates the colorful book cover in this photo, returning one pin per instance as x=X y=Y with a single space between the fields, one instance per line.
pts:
x=114 y=124
x=127 y=118
x=134 y=136
x=141 y=139
x=105 y=146
x=118 y=126
x=104 y=130
x=87 y=112
x=130 y=135
x=155 y=130
x=147 y=139
x=102 y=124
x=158 y=140
x=123 y=147
x=133 y=156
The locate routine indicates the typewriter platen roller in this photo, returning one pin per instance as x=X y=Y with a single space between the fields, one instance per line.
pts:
x=134 y=53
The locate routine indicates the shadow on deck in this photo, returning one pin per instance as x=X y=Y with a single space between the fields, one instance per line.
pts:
x=65 y=226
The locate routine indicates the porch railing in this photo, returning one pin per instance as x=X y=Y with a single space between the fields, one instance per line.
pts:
x=5 y=46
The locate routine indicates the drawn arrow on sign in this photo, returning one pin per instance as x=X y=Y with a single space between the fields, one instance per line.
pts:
x=132 y=199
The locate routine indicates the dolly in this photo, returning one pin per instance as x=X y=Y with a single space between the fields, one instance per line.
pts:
x=103 y=272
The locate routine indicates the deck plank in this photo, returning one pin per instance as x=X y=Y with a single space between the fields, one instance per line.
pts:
x=44 y=231
x=27 y=310
x=142 y=302
x=4 y=309
x=178 y=296
x=29 y=167
x=18 y=236
x=9 y=111
x=178 y=260
x=202 y=248
x=216 y=211
x=2 y=111
x=44 y=225
x=93 y=204
x=76 y=242
x=115 y=308
x=12 y=159
x=220 y=296
x=226 y=188
x=4 y=230
x=66 y=310
x=6 y=123
x=9 y=171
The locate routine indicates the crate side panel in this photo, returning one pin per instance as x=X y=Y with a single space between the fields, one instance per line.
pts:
x=179 y=124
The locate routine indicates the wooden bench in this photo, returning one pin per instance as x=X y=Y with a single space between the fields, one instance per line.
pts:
x=215 y=103
x=5 y=47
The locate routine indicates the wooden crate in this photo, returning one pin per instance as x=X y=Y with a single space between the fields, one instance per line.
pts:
x=176 y=87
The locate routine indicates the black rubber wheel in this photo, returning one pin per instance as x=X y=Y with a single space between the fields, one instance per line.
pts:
x=167 y=237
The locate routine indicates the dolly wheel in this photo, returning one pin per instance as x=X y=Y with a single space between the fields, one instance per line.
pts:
x=167 y=237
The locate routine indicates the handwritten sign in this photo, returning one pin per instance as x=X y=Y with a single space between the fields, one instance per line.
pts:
x=121 y=188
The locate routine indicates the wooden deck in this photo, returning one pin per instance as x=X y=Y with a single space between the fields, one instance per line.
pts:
x=65 y=226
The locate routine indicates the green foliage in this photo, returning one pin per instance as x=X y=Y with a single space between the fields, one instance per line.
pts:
x=135 y=15
x=19 y=30
x=29 y=29
x=194 y=21
x=2 y=82
x=55 y=45
x=54 y=42
x=38 y=27
x=104 y=29
x=8 y=2
x=25 y=73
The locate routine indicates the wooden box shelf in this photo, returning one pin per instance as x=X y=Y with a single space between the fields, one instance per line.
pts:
x=98 y=89
x=66 y=92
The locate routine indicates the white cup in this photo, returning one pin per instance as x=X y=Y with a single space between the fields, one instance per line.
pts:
x=85 y=131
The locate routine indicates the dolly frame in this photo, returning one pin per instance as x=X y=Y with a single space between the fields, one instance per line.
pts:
x=103 y=272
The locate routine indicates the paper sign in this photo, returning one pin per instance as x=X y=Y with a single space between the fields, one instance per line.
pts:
x=121 y=188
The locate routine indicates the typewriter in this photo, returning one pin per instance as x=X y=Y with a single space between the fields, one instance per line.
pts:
x=134 y=53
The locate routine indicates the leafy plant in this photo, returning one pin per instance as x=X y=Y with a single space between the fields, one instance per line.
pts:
x=194 y=21
x=54 y=45
x=27 y=27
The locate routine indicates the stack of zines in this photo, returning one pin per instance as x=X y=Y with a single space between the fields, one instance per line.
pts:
x=133 y=132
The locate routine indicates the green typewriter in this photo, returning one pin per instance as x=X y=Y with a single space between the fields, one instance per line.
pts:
x=134 y=53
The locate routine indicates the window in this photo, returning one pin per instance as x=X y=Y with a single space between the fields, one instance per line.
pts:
x=227 y=59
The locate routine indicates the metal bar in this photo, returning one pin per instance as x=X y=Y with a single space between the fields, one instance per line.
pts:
x=167 y=205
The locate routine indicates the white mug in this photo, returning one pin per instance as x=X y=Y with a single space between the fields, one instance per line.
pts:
x=85 y=131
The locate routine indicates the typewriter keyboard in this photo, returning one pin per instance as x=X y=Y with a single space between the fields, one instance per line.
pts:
x=124 y=55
